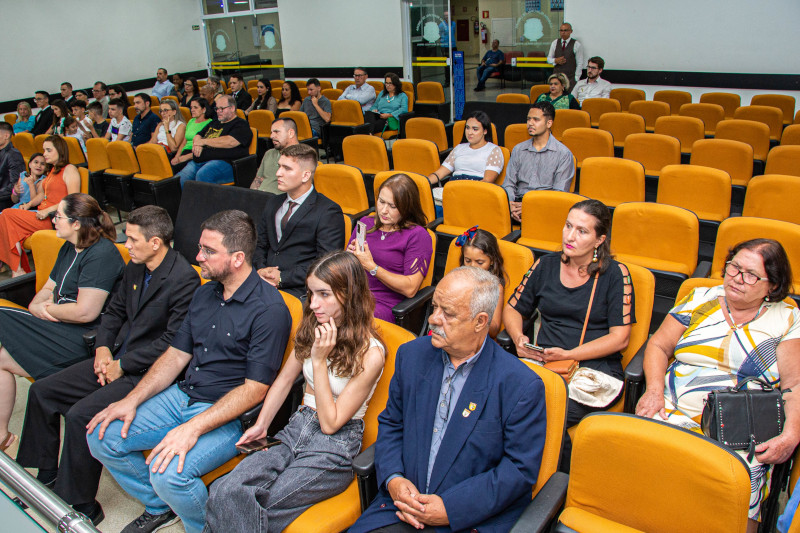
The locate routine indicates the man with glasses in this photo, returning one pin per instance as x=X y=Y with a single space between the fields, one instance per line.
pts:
x=231 y=344
x=221 y=141
x=460 y=441
x=99 y=91
x=361 y=91
x=145 y=122
x=566 y=54
x=593 y=86
x=44 y=118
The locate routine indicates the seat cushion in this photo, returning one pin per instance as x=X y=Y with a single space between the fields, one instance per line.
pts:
x=581 y=520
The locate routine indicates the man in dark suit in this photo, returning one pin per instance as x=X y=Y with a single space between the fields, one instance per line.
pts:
x=460 y=441
x=136 y=328
x=44 y=118
x=296 y=227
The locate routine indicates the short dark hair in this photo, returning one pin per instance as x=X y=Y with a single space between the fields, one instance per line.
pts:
x=313 y=81
x=776 y=264
x=202 y=102
x=80 y=103
x=303 y=153
x=153 y=221
x=68 y=84
x=97 y=106
x=289 y=123
x=144 y=96
x=546 y=108
x=362 y=69
x=118 y=102
x=44 y=93
x=102 y=85
x=5 y=126
x=597 y=60
x=237 y=76
x=237 y=229
x=165 y=70
x=84 y=93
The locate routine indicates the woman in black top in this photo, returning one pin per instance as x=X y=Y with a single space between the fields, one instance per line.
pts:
x=49 y=335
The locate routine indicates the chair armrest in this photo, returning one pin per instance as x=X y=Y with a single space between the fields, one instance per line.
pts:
x=244 y=171
x=249 y=417
x=542 y=511
x=703 y=270
x=364 y=468
x=412 y=312
x=505 y=342
x=448 y=129
x=634 y=381
x=513 y=236
x=364 y=462
x=90 y=339
x=432 y=225
x=19 y=290
x=401 y=133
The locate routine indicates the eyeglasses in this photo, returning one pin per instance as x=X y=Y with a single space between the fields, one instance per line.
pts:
x=359 y=75
x=590 y=67
x=208 y=253
x=747 y=277
x=165 y=110
x=59 y=216
x=223 y=108
x=467 y=236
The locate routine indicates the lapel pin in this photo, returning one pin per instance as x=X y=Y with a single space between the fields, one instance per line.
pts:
x=465 y=413
x=472 y=406
x=134 y=286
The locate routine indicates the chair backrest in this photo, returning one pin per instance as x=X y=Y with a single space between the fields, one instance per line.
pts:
x=514 y=134
x=756 y=134
x=365 y=152
x=377 y=85
x=771 y=116
x=458 y=132
x=653 y=150
x=332 y=94
x=154 y=99
x=612 y=180
x=783 y=160
x=253 y=91
x=410 y=96
x=783 y=102
x=543 y=217
x=344 y=84
x=38 y=142
x=705 y=191
x=686 y=129
x=675 y=99
x=415 y=155
x=773 y=196
x=346 y=113
x=506 y=158
x=588 y=142
x=606 y=486
x=620 y=125
x=430 y=129
x=644 y=288
x=239 y=113
x=122 y=158
x=656 y=236
x=430 y=92
x=296 y=312
x=569 y=118
x=11 y=118
x=467 y=203
x=791 y=135
x=153 y=161
x=303 y=125
x=301 y=84
x=96 y=154
x=186 y=113
x=84 y=173
x=512 y=98
x=76 y=156
x=24 y=143
x=131 y=112
x=348 y=229
x=538 y=90
x=423 y=186
x=710 y=114
x=729 y=101
x=252 y=84
x=626 y=97
x=650 y=111
x=325 y=84
x=344 y=185
x=261 y=120
x=734 y=157
x=596 y=107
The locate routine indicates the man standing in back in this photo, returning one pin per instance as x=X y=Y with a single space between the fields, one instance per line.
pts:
x=566 y=54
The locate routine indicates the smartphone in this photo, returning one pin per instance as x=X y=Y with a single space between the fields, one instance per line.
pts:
x=361 y=234
x=534 y=347
x=257 y=445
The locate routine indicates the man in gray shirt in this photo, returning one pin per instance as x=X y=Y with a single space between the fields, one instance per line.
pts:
x=361 y=91
x=317 y=107
x=542 y=163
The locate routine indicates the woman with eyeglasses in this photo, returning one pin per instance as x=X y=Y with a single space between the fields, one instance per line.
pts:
x=171 y=132
x=48 y=336
x=719 y=336
x=16 y=225
x=389 y=105
x=191 y=90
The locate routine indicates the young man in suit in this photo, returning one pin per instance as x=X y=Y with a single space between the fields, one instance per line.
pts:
x=460 y=441
x=137 y=326
x=298 y=226
x=44 y=118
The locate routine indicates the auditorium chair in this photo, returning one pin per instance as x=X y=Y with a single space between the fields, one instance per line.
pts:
x=38 y=142
x=729 y=101
x=332 y=94
x=710 y=114
x=791 y=135
x=773 y=196
x=515 y=134
x=415 y=155
x=11 y=118
x=612 y=180
x=429 y=129
x=512 y=98
x=543 y=216
x=344 y=185
x=771 y=116
x=588 y=142
x=654 y=151
x=783 y=102
x=756 y=134
x=155 y=184
x=734 y=157
x=650 y=111
x=686 y=129
x=597 y=107
x=538 y=90
x=261 y=120
x=675 y=99
x=783 y=160
x=116 y=184
x=626 y=97
x=24 y=143
x=346 y=119
x=569 y=118
x=76 y=156
x=620 y=125
x=367 y=153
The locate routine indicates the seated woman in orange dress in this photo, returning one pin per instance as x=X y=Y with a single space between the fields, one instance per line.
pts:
x=16 y=225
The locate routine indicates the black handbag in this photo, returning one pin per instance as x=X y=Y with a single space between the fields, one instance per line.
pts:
x=741 y=418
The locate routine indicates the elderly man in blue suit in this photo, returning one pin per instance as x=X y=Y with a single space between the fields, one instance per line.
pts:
x=460 y=441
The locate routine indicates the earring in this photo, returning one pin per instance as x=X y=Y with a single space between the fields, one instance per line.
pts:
x=766 y=298
x=594 y=257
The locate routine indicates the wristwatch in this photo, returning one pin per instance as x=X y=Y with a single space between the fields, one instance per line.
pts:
x=374 y=271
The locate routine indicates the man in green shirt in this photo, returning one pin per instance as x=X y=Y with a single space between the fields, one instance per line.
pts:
x=284 y=133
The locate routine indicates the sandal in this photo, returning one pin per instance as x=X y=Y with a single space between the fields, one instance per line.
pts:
x=8 y=441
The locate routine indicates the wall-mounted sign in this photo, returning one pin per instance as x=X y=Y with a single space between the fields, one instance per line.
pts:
x=485 y=14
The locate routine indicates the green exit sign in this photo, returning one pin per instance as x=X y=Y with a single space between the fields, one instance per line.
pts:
x=196 y=27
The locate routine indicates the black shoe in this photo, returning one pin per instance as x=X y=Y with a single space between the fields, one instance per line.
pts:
x=480 y=88
x=147 y=523
x=47 y=478
x=93 y=511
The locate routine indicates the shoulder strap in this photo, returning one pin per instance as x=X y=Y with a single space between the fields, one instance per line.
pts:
x=589 y=309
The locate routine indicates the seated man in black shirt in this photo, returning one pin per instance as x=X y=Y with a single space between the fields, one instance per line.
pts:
x=137 y=326
x=221 y=141
x=145 y=122
x=233 y=340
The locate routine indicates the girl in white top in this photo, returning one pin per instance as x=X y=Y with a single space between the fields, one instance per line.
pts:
x=171 y=131
x=340 y=353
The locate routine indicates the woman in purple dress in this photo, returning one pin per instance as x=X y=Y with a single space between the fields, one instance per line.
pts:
x=398 y=249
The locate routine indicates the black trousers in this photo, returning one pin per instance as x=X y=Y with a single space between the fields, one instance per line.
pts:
x=75 y=394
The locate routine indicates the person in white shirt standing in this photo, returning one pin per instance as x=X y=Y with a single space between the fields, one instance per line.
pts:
x=593 y=86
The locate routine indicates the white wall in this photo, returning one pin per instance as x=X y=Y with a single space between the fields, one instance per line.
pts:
x=341 y=33
x=46 y=42
x=690 y=35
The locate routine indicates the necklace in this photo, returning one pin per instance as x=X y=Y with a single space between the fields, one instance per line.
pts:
x=736 y=326
x=385 y=233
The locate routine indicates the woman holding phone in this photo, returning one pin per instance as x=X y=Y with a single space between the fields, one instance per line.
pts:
x=341 y=356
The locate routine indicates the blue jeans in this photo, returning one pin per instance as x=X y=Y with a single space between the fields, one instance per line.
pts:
x=216 y=171
x=484 y=71
x=270 y=488
x=184 y=493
